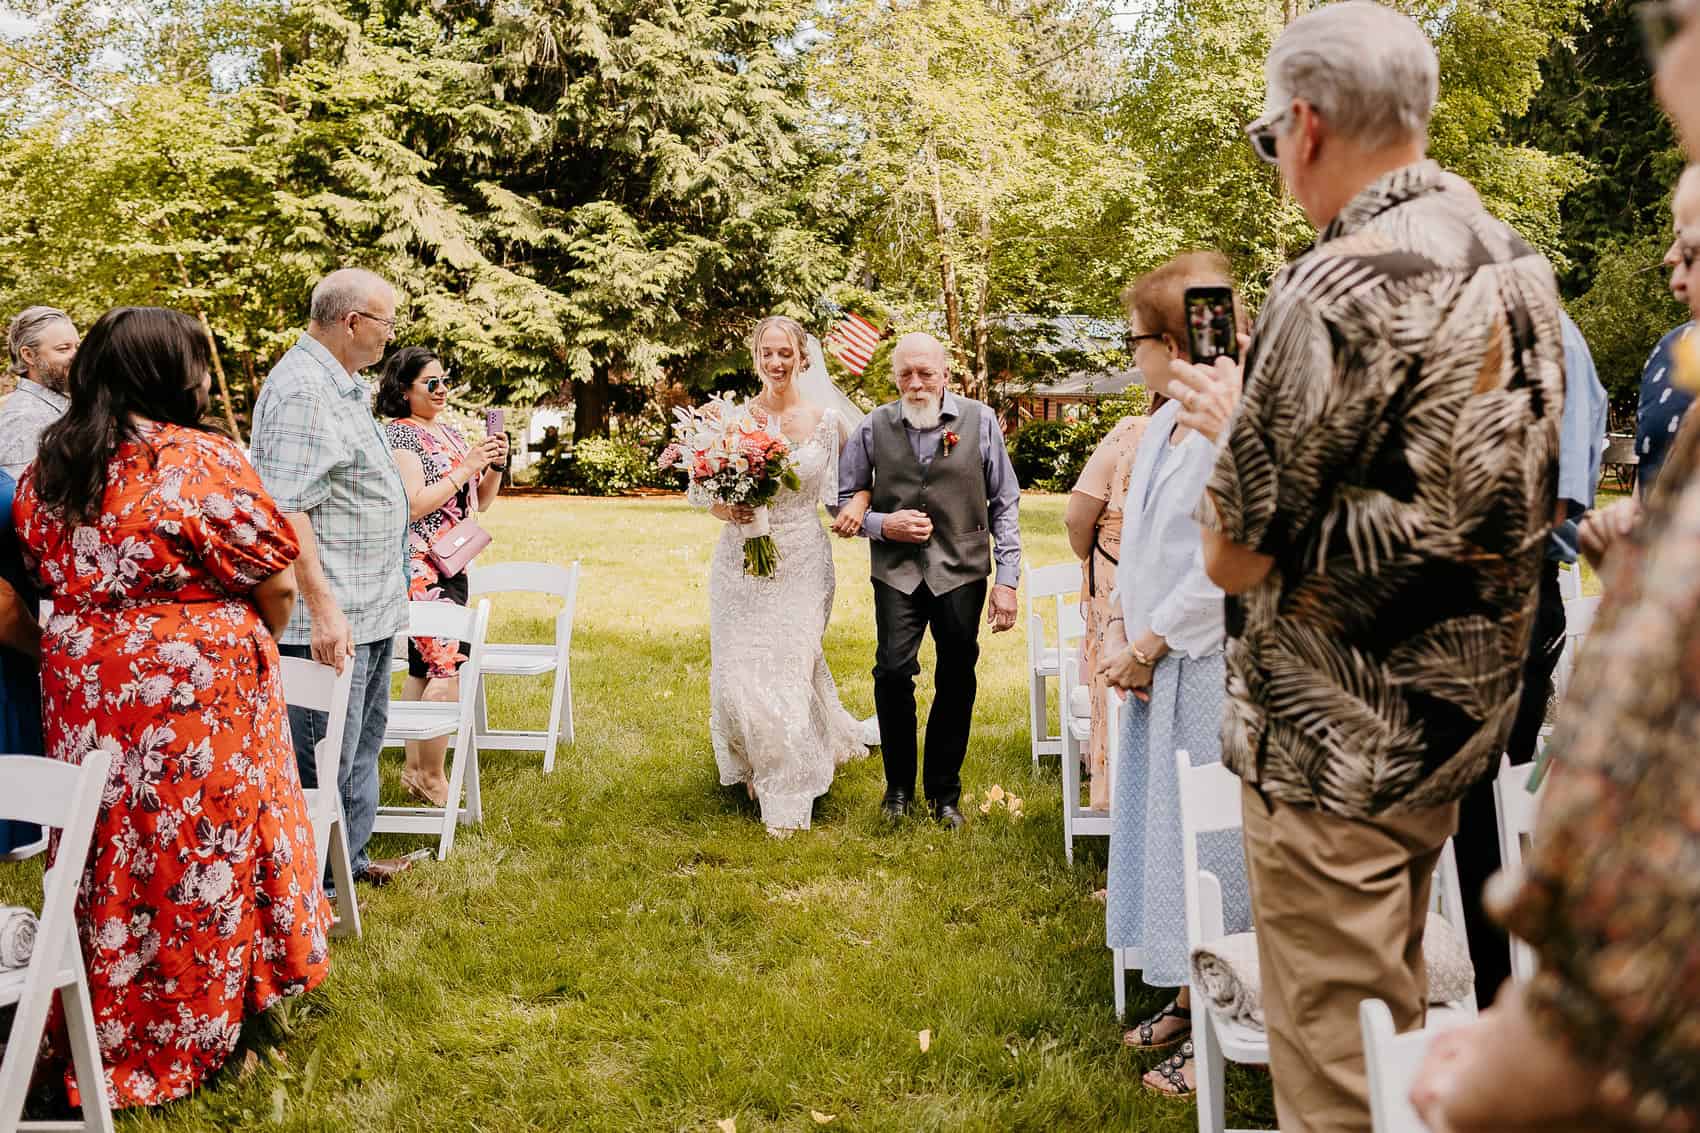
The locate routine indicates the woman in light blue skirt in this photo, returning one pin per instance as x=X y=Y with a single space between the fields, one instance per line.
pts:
x=1165 y=647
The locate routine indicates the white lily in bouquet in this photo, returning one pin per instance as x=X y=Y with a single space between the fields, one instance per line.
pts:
x=736 y=458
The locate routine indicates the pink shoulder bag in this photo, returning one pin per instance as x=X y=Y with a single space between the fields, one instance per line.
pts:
x=454 y=550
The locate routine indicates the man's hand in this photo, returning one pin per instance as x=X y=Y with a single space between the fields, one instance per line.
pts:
x=332 y=642
x=910 y=526
x=1208 y=395
x=1000 y=614
x=1603 y=528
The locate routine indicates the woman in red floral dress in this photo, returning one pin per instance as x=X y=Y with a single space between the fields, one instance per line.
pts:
x=169 y=570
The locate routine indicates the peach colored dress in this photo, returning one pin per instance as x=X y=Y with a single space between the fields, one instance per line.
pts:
x=1105 y=477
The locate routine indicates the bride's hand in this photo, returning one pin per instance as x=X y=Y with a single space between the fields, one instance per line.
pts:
x=740 y=513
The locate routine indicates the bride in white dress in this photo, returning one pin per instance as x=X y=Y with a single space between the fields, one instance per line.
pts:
x=774 y=715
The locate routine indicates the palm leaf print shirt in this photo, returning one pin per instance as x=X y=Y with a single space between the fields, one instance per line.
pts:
x=1395 y=452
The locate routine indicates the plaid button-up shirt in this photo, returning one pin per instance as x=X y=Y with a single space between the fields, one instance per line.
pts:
x=25 y=414
x=318 y=450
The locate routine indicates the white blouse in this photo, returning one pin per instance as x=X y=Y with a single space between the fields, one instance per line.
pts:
x=1160 y=581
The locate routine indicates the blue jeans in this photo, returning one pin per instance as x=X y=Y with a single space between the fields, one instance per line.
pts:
x=362 y=739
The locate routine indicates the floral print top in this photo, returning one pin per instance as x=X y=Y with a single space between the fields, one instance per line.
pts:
x=1610 y=892
x=438 y=459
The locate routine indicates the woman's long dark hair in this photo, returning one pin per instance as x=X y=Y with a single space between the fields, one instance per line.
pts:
x=401 y=369
x=143 y=361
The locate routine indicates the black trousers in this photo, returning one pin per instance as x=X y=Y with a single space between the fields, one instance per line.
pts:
x=1477 y=840
x=902 y=619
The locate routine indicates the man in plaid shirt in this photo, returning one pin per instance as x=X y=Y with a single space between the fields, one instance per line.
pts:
x=324 y=459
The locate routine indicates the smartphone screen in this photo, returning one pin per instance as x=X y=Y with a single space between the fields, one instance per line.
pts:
x=1210 y=330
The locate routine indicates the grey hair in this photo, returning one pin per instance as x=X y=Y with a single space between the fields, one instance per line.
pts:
x=1371 y=73
x=26 y=330
x=343 y=292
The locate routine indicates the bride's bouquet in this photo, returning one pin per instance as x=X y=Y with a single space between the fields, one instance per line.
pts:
x=735 y=458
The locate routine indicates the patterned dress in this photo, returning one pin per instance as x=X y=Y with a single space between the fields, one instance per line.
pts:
x=200 y=902
x=1105 y=478
x=442 y=655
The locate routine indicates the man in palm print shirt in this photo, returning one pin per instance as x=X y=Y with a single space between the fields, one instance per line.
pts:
x=1380 y=512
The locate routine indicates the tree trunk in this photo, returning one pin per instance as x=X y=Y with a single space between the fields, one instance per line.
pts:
x=212 y=343
x=947 y=274
x=590 y=407
x=981 y=386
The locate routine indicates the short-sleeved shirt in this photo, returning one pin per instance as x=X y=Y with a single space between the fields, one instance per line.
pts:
x=1660 y=410
x=25 y=414
x=1395 y=453
x=1581 y=441
x=319 y=450
x=438 y=460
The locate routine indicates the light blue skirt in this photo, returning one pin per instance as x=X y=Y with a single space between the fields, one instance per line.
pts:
x=1146 y=906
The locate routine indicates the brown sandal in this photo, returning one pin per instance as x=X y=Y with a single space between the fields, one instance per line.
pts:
x=1143 y=1037
x=417 y=789
x=1171 y=1071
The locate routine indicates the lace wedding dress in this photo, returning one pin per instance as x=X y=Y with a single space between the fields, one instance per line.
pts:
x=774 y=714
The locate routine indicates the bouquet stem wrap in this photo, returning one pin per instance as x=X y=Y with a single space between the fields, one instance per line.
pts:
x=761 y=557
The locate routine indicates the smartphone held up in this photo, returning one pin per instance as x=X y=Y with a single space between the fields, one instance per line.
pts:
x=1211 y=328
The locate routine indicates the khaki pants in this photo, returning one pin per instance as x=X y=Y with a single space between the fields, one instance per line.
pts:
x=1340 y=906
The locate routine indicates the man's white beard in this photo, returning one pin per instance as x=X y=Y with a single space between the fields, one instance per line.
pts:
x=923 y=416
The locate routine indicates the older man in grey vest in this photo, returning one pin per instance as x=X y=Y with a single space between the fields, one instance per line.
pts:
x=945 y=504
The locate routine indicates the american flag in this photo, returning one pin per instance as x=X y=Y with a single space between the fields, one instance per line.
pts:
x=852 y=341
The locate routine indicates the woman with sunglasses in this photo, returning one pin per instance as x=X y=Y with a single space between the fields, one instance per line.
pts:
x=1603 y=1037
x=439 y=469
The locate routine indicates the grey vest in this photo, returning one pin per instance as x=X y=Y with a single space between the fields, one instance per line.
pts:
x=951 y=490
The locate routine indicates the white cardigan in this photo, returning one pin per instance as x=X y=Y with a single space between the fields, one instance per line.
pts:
x=1160 y=581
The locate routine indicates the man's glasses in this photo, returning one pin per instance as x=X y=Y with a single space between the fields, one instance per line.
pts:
x=389 y=324
x=1132 y=340
x=1263 y=132
x=437 y=385
x=1661 y=22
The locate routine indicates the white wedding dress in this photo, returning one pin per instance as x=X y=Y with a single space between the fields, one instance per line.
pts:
x=774 y=715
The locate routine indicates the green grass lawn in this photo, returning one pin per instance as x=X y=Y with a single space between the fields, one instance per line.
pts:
x=618 y=949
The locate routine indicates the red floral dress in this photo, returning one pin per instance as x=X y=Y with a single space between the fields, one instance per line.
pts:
x=201 y=900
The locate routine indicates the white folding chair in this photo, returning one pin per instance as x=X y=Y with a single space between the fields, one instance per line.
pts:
x=308 y=684
x=1578 y=620
x=1516 y=808
x=1210 y=801
x=430 y=720
x=1569 y=581
x=1392 y=1060
x=504 y=660
x=36 y=789
x=1060 y=585
x=1082 y=821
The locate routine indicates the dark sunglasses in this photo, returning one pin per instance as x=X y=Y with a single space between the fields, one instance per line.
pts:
x=433 y=385
x=1263 y=132
x=1661 y=22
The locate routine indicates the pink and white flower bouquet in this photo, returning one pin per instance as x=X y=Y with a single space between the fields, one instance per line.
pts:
x=739 y=459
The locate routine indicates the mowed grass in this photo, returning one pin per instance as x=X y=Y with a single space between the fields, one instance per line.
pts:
x=618 y=948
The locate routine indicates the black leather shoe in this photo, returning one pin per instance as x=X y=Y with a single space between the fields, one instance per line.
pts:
x=894 y=806
x=949 y=816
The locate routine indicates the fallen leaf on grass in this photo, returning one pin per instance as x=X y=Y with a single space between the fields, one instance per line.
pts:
x=925 y=1038
x=823 y=1118
x=727 y=1125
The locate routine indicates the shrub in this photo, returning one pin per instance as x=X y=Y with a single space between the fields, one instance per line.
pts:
x=1033 y=451
x=601 y=466
x=1077 y=439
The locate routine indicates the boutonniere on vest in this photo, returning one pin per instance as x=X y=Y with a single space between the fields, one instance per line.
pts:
x=948 y=441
